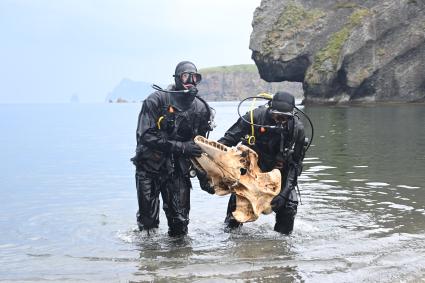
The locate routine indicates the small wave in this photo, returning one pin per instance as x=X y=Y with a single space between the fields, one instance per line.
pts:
x=6 y=246
x=39 y=255
x=306 y=178
x=319 y=168
x=329 y=181
x=312 y=162
x=377 y=184
x=397 y=206
x=401 y=206
x=408 y=187
x=133 y=235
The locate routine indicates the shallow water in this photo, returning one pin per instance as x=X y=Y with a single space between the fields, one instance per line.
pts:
x=68 y=203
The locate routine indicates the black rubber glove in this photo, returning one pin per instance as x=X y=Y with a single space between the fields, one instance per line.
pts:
x=203 y=182
x=281 y=199
x=136 y=159
x=191 y=149
x=278 y=202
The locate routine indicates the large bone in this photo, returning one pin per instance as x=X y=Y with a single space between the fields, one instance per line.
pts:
x=235 y=170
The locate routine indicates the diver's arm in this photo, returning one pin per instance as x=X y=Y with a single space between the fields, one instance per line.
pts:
x=299 y=146
x=294 y=169
x=280 y=200
x=235 y=133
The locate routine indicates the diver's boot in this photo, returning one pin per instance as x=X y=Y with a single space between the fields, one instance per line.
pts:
x=231 y=223
x=140 y=226
x=177 y=230
x=148 y=231
x=285 y=218
x=147 y=228
x=285 y=228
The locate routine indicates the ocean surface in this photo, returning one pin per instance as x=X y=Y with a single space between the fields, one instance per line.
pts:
x=68 y=203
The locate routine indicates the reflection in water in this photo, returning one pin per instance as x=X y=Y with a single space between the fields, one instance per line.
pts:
x=245 y=254
x=378 y=154
x=362 y=217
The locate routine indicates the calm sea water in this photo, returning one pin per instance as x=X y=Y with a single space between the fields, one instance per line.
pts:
x=68 y=203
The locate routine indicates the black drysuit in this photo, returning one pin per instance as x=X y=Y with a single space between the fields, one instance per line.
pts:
x=275 y=147
x=162 y=165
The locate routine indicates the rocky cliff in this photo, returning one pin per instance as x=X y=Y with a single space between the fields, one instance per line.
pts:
x=343 y=51
x=239 y=81
x=223 y=83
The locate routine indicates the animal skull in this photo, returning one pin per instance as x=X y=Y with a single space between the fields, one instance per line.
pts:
x=235 y=170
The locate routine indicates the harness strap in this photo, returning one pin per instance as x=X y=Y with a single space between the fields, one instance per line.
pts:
x=251 y=138
x=158 y=123
x=167 y=108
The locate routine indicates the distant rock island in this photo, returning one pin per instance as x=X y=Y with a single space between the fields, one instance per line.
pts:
x=343 y=51
x=74 y=98
x=129 y=91
x=224 y=83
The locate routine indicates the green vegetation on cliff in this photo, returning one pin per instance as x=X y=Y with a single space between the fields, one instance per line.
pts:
x=326 y=60
x=244 y=68
x=347 y=5
x=292 y=20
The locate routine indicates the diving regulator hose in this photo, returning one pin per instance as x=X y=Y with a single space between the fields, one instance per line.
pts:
x=268 y=97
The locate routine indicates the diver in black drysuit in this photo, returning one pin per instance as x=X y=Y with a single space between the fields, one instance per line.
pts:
x=282 y=147
x=167 y=124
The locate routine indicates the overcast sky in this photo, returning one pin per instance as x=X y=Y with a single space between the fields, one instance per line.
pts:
x=51 y=49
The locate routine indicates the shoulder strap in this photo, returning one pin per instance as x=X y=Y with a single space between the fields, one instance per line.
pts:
x=294 y=132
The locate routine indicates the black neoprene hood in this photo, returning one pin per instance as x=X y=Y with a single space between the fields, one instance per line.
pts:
x=283 y=102
x=185 y=66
